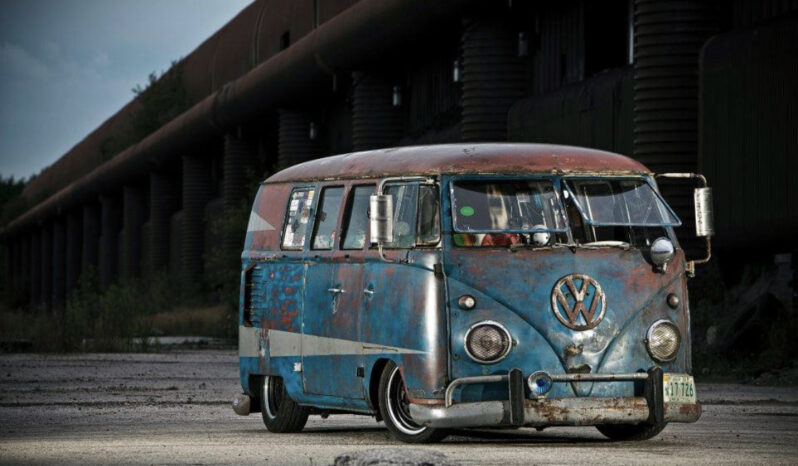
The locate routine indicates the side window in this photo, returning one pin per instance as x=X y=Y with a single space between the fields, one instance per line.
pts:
x=324 y=234
x=405 y=198
x=357 y=222
x=297 y=218
x=429 y=219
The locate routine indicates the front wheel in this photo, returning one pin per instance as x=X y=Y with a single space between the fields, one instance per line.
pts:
x=631 y=432
x=394 y=408
x=280 y=413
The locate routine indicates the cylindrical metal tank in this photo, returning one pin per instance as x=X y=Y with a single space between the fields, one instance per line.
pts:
x=493 y=78
x=237 y=163
x=109 y=246
x=74 y=241
x=91 y=237
x=196 y=193
x=668 y=37
x=295 y=143
x=47 y=264
x=163 y=202
x=35 y=280
x=376 y=121
x=59 y=262
x=133 y=216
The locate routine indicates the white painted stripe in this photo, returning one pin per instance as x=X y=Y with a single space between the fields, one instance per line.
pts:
x=257 y=223
x=248 y=342
x=283 y=343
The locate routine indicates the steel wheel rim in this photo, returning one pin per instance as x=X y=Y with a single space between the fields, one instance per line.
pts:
x=398 y=406
x=272 y=395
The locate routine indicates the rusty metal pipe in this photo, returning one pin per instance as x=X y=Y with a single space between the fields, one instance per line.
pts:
x=362 y=32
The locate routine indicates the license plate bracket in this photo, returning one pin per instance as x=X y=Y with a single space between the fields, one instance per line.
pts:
x=678 y=388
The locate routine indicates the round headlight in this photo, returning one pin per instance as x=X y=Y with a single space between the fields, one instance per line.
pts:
x=661 y=252
x=663 y=340
x=539 y=383
x=487 y=342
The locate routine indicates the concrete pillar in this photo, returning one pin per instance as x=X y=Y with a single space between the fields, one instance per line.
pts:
x=109 y=246
x=35 y=280
x=133 y=208
x=238 y=159
x=163 y=201
x=74 y=242
x=376 y=122
x=47 y=264
x=59 y=263
x=196 y=193
x=493 y=78
x=90 y=249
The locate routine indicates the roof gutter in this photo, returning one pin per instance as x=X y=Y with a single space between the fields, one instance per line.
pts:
x=358 y=34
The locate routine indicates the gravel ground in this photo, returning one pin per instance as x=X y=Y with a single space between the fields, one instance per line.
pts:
x=175 y=408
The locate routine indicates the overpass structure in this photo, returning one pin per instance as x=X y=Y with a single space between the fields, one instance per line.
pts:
x=289 y=80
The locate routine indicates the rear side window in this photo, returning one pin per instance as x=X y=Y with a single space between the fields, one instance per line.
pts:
x=324 y=235
x=297 y=217
x=357 y=220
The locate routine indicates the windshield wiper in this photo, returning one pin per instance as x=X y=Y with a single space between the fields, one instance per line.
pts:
x=605 y=244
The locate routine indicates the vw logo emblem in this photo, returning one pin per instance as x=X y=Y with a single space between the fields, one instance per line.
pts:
x=578 y=302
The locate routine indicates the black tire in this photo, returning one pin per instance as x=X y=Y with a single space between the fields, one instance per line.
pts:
x=281 y=414
x=630 y=432
x=394 y=410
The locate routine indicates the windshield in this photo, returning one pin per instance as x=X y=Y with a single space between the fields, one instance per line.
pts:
x=619 y=202
x=507 y=206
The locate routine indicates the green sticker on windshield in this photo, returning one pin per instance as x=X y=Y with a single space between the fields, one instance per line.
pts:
x=467 y=211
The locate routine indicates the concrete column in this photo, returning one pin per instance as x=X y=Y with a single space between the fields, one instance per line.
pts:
x=493 y=78
x=47 y=264
x=91 y=237
x=133 y=208
x=109 y=246
x=35 y=280
x=74 y=242
x=238 y=158
x=196 y=193
x=163 y=201
x=59 y=263
x=376 y=122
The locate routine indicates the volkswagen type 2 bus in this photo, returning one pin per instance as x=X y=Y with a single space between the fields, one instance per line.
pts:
x=459 y=286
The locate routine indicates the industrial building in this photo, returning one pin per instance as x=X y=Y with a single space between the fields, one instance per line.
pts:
x=681 y=85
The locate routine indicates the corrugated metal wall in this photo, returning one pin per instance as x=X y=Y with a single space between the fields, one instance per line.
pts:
x=749 y=134
x=595 y=113
x=559 y=60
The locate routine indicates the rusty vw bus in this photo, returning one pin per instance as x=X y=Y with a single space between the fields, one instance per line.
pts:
x=458 y=286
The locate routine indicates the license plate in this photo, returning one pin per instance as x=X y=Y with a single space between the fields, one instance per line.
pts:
x=678 y=388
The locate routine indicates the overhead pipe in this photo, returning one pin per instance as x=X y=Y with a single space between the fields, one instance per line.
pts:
x=360 y=33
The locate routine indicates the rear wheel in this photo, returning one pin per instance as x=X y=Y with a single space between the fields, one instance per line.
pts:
x=630 y=432
x=394 y=408
x=280 y=413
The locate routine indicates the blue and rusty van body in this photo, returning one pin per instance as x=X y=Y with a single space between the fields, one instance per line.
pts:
x=518 y=285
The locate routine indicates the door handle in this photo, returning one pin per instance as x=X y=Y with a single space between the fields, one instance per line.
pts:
x=336 y=290
x=368 y=292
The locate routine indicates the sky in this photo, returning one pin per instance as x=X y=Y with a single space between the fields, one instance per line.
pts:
x=68 y=65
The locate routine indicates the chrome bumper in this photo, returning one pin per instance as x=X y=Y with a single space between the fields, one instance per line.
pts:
x=544 y=412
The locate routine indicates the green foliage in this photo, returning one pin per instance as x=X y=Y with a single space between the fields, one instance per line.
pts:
x=223 y=266
x=161 y=100
x=11 y=205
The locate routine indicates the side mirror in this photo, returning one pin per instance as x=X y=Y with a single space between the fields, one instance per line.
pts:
x=381 y=218
x=704 y=221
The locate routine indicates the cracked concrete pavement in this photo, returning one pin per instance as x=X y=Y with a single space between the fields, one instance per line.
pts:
x=174 y=407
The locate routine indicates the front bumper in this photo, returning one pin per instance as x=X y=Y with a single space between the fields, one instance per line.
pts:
x=544 y=412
